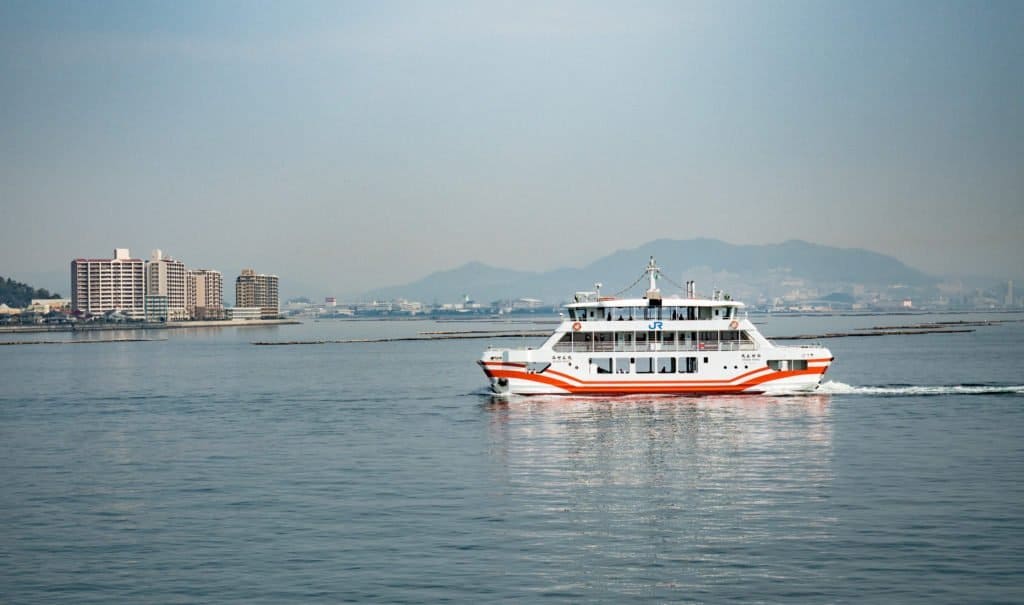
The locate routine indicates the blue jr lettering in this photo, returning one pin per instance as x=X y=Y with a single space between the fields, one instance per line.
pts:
x=655 y=325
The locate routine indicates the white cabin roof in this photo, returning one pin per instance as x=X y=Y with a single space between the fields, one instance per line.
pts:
x=616 y=303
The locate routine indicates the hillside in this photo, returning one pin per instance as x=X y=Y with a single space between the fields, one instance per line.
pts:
x=744 y=270
x=17 y=294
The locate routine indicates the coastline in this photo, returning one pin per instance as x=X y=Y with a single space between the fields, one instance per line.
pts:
x=174 y=325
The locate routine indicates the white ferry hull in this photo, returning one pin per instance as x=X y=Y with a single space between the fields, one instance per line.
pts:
x=566 y=378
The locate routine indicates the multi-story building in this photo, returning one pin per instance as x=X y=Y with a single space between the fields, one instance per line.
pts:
x=205 y=294
x=165 y=276
x=101 y=285
x=156 y=308
x=257 y=290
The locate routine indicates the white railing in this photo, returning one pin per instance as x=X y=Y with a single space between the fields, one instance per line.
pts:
x=607 y=347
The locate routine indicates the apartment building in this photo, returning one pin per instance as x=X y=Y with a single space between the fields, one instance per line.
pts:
x=101 y=285
x=205 y=294
x=257 y=290
x=165 y=276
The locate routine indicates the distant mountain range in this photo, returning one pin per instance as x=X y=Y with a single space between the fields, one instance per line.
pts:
x=743 y=270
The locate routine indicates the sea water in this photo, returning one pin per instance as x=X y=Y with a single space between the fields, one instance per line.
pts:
x=203 y=468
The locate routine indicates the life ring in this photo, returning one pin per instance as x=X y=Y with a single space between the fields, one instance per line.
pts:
x=576 y=327
x=734 y=324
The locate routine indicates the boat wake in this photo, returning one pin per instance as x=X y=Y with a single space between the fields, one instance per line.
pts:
x=838 y=388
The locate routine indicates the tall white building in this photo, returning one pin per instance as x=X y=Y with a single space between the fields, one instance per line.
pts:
x=257 y=290
x=205 y=294
x=165 y=276
x=99 y=285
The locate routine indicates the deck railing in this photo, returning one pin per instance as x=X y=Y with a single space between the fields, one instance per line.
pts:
x=654 y=347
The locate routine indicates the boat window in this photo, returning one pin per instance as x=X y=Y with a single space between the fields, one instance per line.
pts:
x=668 y=339
x=583 y=341
x=564 y=345
x=603 y=341
x=687 y=365
x=709 y=336
x=601 y=365
x=787 y=364
x=572 y=314
x=641 y=341
x=644 y=365
x=623 y=341
x=622 y=365
x=666 y=365
x=718 y=312
x=704 y=312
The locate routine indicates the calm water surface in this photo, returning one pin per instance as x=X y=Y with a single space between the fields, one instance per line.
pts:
x=205 y=469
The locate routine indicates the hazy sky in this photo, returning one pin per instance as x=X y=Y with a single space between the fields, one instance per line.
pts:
x=348 y=145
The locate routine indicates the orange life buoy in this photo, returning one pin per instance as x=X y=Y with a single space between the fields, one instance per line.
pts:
x=576 y=327
x=734 y=324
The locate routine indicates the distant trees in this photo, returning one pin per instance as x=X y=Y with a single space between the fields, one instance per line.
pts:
x=17 y=294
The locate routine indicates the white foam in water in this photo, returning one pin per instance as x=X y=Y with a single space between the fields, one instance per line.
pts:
x=839 y=388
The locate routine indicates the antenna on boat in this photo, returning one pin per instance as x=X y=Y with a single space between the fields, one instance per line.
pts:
x=653 y=272
x=597 y=287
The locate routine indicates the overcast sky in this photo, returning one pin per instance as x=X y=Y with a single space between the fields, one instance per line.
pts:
x=351 y=145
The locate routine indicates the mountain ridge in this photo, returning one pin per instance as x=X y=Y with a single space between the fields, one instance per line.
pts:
x=743 y=268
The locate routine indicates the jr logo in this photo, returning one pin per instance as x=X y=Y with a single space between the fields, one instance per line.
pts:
x=655 y=325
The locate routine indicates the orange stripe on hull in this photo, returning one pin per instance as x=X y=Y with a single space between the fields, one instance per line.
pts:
x=625 y=387
x=498 y=367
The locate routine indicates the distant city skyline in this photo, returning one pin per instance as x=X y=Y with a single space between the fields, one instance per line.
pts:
x=347 y=147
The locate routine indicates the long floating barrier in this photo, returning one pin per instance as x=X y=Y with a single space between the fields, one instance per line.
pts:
x=77 y=342
x=426 y=336
x=434 y=336
x=907 y=332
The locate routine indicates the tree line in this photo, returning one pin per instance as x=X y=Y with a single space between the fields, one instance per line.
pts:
x=17 y=294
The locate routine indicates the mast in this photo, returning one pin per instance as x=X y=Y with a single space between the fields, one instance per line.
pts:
x=652 y=271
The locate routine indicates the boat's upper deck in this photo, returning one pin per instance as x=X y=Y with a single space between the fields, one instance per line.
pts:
x=589 y=305
x=605 y=302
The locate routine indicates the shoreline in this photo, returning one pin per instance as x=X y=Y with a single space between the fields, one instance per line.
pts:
x=174 y=325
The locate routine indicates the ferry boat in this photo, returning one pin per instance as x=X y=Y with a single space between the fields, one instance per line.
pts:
x=669 y=345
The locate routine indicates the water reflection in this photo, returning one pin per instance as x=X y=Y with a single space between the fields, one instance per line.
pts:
x=705 y=485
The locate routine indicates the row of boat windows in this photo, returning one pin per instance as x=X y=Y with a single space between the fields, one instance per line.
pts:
x=655 y=340
x=644 y=365
x=673 y=365
x=662 y=313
